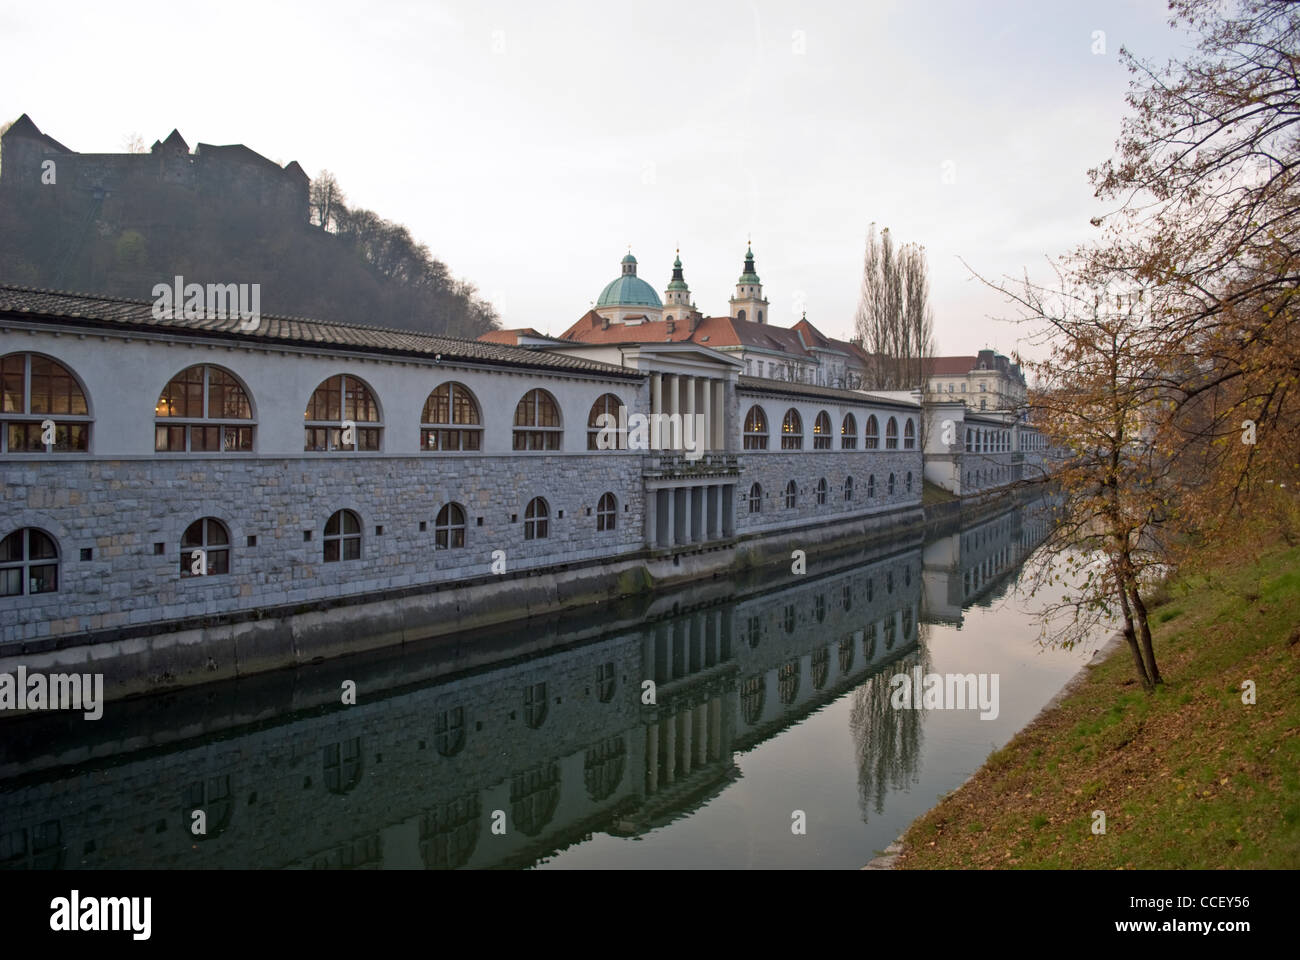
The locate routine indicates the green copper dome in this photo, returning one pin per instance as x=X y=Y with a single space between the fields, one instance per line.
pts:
x=628 y=290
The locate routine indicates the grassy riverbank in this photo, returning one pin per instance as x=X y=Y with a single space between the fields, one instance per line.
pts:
x=1187 y=777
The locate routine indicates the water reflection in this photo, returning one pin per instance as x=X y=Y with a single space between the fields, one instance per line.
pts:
x=503 y=750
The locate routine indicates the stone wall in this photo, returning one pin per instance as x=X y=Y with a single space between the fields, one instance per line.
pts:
x=130 y=516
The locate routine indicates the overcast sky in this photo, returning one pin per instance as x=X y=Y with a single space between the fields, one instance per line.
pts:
x=528 y=144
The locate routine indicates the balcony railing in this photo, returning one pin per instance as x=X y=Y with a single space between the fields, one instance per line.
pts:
x=680 y=465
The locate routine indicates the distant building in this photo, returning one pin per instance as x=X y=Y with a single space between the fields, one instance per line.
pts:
x=987 y=381
x=629 y=311
x=226 y=171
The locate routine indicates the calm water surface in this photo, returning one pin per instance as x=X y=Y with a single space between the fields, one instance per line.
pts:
x=533 y=746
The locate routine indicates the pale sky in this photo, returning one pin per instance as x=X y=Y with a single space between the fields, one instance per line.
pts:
x=528 y=144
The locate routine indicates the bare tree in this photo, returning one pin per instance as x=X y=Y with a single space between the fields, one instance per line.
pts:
x=326 y=202
x=134 y=143
x=894 y=319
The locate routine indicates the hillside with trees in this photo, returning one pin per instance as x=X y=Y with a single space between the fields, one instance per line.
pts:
x=340 y=264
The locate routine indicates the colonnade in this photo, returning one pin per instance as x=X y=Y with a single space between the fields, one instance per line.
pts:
x=679 y=512
x=684 y=395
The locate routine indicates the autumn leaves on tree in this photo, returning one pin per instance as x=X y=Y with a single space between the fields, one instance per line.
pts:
x=1174 y=353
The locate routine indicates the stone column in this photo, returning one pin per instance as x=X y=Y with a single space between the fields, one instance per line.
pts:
x=688 y=411
x=706 y=442
x=700 y=741
x=714 y=497
x=670 y=407
x=670 y=750
x=652 y=758
x=656 y=393
x=652 y=518
x=685 y=716
x=670 y=529
x=729 y=510
x=715 y=728
x=720 y=406
x=686 y=514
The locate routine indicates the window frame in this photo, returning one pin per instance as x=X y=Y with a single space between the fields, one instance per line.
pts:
x=25 y=419
x=333 y=430
x=439 y=431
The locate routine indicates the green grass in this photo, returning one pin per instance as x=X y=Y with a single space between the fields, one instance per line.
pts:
x=1187 y=777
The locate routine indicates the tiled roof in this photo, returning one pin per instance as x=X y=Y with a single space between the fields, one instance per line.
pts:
x=508 y=337
x=50 y=306
x=949 y=366
x=710 y=332
x=792 y=388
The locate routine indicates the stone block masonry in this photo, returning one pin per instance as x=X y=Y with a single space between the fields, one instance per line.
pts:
x=130 y=516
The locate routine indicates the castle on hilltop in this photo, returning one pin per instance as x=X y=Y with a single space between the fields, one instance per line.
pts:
x=211 y=170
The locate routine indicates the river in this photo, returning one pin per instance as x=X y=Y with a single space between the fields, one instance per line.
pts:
x=741 y=723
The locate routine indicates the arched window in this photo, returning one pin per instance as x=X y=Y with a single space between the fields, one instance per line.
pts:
x=909 y=434
x=787 y=681
x=821 y=667
x=535 y=705
x=602 y=768
x=606 y=512
x=908 y=482
x=537 y=422
x=740 y=315
x=792 y=431
x=846 y=648
x=848 y=489
x=449 y=527
x=791 y=494
x=451 y=420
x=869 y=641
x=342 y=765
x=849 y=433
x=534 y=796
x=449 y=731
x=205 y=548
x=755 y=429
x=536 y=519
x=29 y=563
x=821 y=492
x=755 y=498
x=191 y=407
x=873 y=432
x=891 y=434
x=822 y=431
x=891 y=484
x=753 y=691
x=606 y=682
x=342 y=398
x=871 y=486
x=342 y=537
x=969 y=433
x=34 y=389
x=603 y=418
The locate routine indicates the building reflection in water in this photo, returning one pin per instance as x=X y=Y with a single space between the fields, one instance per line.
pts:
x=499 y=753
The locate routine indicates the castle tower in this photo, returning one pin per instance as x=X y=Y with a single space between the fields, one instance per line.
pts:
x=748 y=303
